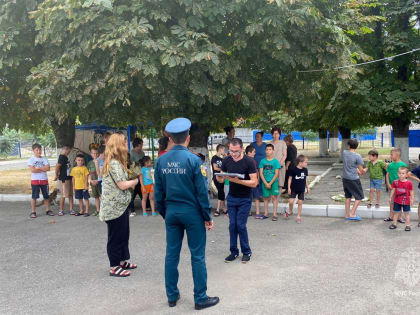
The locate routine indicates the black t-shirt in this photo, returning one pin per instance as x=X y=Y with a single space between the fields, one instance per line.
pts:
x=64 y=168
x=218 y=161
x=298 y=176
x=244 y=166
x=291 y=154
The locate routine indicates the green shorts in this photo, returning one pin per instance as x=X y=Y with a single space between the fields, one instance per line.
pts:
x=95 y=191
x=274 y=191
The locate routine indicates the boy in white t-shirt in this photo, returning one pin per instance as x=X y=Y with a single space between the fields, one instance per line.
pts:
x=39 y=167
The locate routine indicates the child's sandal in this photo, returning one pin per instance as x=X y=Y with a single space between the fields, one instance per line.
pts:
x=407 y=228
x=377 y=206
x=50 y=213
x=33 y=216
x=216 y=213
x=119 y=272
x=369 y=205
x=274 y=218
x=298 y=220
x=388 y=219
x=392 y=227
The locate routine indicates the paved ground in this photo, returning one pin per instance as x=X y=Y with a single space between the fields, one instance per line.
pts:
x=323 y=266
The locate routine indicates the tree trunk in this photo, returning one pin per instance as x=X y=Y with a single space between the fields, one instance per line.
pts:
x=199 y=144
x=400 y=128
x=323 y=142
x=64 y=132
x=345 y=136
x=334 y=141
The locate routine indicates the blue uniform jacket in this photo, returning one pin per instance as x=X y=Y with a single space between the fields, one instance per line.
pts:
x=180 y=183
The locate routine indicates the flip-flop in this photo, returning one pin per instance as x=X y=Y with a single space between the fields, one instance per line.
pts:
x=50 y=213
x=369 y=205
x=392 y=227
x=377 y=206
x=356 y=218
x=274 y=218
x=401 y=221
x=33 y=216
x=388 y=219
x=407 y=228
x=263 y=217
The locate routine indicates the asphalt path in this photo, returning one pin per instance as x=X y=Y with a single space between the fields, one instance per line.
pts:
x=323 y=266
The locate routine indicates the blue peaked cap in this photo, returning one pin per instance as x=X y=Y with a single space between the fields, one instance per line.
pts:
x=178 y=125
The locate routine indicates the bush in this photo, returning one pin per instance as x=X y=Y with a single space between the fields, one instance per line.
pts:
x=9 y=139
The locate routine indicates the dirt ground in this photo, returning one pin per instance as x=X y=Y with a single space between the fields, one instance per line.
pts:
x=19 y=181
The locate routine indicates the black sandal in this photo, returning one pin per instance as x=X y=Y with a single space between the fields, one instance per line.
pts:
x=78 y=214
x=407 y=228
x=392 y=227
x=128 y=266
x=401 y=221
x=86 y=214
x=388 y=219
x=418 y=224
x=50 y=213
x=33 y=216
x=216 y=213
x=119 y=272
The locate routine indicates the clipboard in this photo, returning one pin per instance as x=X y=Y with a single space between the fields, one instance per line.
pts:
x=240 y=176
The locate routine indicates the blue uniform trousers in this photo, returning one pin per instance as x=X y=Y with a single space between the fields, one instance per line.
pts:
x=176 y=222
x=238 y=210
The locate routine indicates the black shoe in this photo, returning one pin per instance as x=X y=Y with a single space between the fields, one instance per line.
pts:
x=230 y=258
x=173 y=303
x=209 y=302
x=246 y=258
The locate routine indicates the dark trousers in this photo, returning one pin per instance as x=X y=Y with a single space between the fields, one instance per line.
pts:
x=118 y=236
x=176 y=221
x=238 y=210
x=220 y=189
x=137 y=191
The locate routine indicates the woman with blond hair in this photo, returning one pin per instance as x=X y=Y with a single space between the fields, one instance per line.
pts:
x=115 y=201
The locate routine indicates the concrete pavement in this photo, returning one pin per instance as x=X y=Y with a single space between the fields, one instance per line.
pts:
x=323 y=266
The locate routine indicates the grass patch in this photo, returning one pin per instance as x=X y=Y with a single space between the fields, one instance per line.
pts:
x=19 y=181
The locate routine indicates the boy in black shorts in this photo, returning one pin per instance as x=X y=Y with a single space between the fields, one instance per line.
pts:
x=297 y=184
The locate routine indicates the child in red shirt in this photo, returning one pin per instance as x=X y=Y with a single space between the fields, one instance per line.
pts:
x=404 y=197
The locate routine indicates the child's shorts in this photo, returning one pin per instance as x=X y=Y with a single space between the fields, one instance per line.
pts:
x=81 y=194
x=398 y=207
x=100 y=187
x=95 y=190
x=274 y=191
x=37 y=188
x=147 y=189
x=256 y=192
x=66 y=188
x=300 y=195
x=353 y=188
x=376 y=184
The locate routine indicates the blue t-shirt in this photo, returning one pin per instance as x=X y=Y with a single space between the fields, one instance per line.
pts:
x=259 y=151
x=147 y=175
x=100 y=164
x=416 y=172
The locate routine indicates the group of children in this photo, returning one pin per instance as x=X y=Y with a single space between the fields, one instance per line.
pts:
x=75 y=181
x=268 y=187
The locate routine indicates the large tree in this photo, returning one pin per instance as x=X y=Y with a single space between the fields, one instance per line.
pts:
x=126 y=61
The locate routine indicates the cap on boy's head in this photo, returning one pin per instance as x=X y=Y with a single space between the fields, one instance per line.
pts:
x=353 y=144
x=178 y=125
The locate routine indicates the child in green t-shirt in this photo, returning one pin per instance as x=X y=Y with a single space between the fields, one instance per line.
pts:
x=94 y=178
x=375 y=168
x=269 y=173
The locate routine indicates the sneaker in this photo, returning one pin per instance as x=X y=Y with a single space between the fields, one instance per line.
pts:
x=72 y=212
x=145 y=214
x=61 y=213
x=246 y=258
x=154 y=214
x=132 y=214
x=230 y=258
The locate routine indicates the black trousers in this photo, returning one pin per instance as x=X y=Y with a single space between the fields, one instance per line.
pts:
x=118 y=236
x=220 y=189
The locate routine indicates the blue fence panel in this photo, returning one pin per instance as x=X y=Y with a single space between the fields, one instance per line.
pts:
x=297 y=136
x=413 y=138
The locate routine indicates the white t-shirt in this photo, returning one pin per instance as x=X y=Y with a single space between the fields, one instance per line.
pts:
x=38 y=163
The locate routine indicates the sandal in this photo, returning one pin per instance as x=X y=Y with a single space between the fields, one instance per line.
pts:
x=119 y=272
x=216 y=213
x=50 y=213
x=263 y=217
x=377 y=206
x=369 y=205
x=128 y=266
x=388 y=219
x=287 y=214
x=78 y=214
x=96 y=213
x=86 y=214
x=60 y=213
x=401 y=221
x=298 y=220
x=392 y=227
x=33 y=216
x=407 y=228
x=72 y=212
x=418 y=224
x=274 y=218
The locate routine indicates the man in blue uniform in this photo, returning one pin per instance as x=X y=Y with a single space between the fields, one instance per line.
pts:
x=182 y=200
